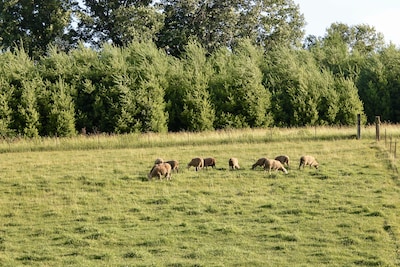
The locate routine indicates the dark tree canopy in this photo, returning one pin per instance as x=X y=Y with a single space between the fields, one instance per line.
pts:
x=34 y=24
x=223 y=23
x=117 y=21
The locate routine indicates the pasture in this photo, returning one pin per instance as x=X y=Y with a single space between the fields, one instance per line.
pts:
x=86 y=201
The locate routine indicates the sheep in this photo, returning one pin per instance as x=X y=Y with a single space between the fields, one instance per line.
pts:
x=197 y=163
x=234 y=164
x=159 y=170
x=209 y=162
x=274 y=165
x=174 y=165
x=284 y=159
x=308 y=161
x=260 y=162
x=158 y=161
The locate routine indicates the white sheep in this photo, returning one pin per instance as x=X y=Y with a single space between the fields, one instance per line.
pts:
x=260 y=162
x=197 y=163
x=308 y=161
x=158 y=161
x=160 y=170
x=274 y=165
x=234 y=164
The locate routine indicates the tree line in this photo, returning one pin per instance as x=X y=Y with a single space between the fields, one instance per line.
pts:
x=138 y=66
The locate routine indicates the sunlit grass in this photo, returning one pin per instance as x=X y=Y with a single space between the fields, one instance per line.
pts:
x=86 y=201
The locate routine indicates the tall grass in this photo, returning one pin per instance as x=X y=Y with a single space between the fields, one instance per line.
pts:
x=86 y=201
x=103 y=141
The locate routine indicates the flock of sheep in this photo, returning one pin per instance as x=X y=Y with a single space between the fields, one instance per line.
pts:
x=163 y=168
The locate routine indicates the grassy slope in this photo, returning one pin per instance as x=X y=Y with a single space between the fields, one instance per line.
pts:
x=96 y=208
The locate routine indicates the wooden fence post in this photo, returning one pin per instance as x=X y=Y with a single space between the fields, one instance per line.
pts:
x=358 y=126
x=377 y=125
x=385 y=139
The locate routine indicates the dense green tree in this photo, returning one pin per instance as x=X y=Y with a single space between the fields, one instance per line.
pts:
x=379 y=83
x=95 y=94
x=218 y=24
x=287 y=74
x=19 y=74
x=278 y=22
x=390 y=58
x=189 y=103
x=344 y=49
x=6 y=92
x=62 y=110
x=236 y=88
x=118 y=21
x=372 y=84
x=362 y=37
x=302 y=94
x=34 y=24
x=28 y=111
x=174 y=94
x=198 y=113
x=141 y=104
x=328 y=107
x=349 y=102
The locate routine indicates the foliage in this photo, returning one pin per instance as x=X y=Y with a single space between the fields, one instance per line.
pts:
x=219 y=24
x=362 y=38
x=236 y=88
x=62 y=112
x=117 y=22
x=379 y=85
x=301 y=94
x=144 y=66
x=141 y=90
x=34 y=26
x=6 y=93
x=197 y=113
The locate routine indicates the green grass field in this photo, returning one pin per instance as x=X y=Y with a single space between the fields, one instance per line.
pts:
x=86 y=201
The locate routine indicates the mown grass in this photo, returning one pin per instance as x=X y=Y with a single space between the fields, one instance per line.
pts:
x=95 y=207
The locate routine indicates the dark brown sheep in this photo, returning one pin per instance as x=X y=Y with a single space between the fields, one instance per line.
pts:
x=234 y=164
x=209 y=162
x=160 y=170
x=284 y=159
x=174 y=165
x=308 y=161
x=260 y=162
x=197 y=163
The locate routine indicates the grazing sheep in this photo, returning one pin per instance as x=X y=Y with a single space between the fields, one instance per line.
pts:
x=234 y=164
x=260 y=162
x=308 y=161
x=159 y=170
x=174 y=165
x=158 y=161
x=274 y=165
x=197 y=163
x=283 y=159
x=209 y=162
